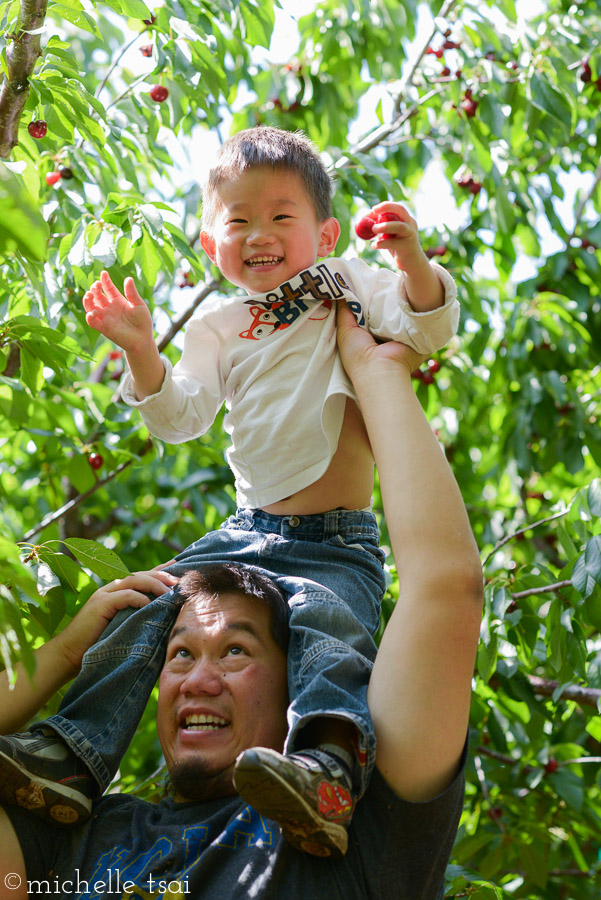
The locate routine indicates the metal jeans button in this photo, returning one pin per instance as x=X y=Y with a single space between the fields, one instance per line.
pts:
x=294 y=521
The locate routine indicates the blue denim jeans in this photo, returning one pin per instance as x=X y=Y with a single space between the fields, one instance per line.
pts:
x=331 y=568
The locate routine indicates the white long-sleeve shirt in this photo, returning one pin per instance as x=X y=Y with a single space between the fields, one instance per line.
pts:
x=273 y=359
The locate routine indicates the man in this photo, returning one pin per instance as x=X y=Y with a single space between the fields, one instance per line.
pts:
x=223 y=690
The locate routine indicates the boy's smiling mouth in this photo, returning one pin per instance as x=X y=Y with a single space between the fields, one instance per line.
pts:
x=263 y=261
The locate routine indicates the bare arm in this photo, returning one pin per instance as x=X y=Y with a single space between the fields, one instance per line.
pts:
x=125 y=319
x=419 y=693
x=58 y=661
x=12 y=864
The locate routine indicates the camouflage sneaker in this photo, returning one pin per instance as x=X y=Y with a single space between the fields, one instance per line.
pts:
x=308 y=794
x=39 y=773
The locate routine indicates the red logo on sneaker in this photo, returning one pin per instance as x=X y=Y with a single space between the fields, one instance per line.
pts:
x=333 y=801
x=359 y=746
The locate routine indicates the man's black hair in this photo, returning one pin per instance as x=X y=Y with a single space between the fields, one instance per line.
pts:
x=229 y=578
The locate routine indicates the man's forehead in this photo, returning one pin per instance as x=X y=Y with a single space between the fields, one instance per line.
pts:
x=223 y=612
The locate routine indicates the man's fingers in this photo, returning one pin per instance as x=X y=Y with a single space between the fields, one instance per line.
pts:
x=145 y=582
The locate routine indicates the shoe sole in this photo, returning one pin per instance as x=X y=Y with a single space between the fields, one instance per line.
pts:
x=273 y=797
x=43 y=798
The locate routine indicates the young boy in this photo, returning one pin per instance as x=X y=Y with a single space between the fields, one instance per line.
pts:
x=303 y=472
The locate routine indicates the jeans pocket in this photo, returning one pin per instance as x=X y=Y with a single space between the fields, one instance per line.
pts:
x=365 y=543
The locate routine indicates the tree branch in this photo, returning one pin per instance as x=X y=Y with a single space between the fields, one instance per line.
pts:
x=179 y=323
x=581 y=695
x=21 y=58
x=523 y=530
x=546 y=589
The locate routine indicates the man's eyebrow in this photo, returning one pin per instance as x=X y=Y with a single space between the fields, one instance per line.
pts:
x=244 y=626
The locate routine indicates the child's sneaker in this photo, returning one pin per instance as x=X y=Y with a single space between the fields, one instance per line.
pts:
x=308 y=794
x=39 y=773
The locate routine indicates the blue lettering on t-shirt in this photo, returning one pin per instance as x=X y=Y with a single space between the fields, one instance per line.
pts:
x=120 y=864
x=248 y=829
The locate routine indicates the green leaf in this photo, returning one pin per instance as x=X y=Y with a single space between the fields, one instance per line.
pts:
x=21 y=224
x=587 y=570
x=548 y=98
x=99 y=559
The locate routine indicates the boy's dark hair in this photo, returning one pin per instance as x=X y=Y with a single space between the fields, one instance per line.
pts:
x=229 y=578
x=267 y=146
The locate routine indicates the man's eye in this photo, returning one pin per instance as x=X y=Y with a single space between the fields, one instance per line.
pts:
x=182 y=653
x=235 y=651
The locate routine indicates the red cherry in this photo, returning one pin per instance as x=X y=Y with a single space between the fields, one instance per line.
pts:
x=475 y=187
x=434 y=366
x=115 y=354
x=469 y=107
x=53 y=177
x=438 y=53
x=387 y=217
x=95 y=460
x=450 y=45
x=494 y=813
x=146 y=50
x=585 y=73
x=445 y=72
x=159 y=93
x=37 y=129
x=417 y=374
x=365 y=228
x=551 y=766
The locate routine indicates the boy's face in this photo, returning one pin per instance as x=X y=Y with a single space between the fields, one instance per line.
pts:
x=266 y=230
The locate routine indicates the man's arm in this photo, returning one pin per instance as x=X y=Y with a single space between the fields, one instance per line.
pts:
x=419 y=692
x=59 y=660
x=13 y=876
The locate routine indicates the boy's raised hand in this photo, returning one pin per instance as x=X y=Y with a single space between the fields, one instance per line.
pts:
x=399 y=236
x=124 y=318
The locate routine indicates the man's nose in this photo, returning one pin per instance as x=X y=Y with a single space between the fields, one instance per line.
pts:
x=205 y=677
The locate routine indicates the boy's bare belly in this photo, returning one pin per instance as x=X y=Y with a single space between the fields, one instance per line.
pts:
x=347 y=483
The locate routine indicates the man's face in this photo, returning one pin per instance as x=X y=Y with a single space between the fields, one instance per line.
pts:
x=222 y=689
x=266 y=230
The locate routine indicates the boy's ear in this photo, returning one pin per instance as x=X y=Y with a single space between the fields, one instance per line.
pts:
x=208 y=245
x=330 y=232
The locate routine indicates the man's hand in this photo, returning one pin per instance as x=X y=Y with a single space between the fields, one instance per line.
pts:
x=360 y=353
x=89 y=623
x=124 y=319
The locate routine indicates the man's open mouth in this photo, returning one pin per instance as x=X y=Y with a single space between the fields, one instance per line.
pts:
x=263 y=261
x=204 y=723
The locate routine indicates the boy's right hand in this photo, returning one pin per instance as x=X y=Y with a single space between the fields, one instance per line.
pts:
x=124 y=319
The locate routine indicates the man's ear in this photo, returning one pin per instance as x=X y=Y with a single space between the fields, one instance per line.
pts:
x=208 y=245
x=329 y=234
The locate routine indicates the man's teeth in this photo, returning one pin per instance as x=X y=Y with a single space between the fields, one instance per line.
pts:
x=263 y=260
x=204 y=723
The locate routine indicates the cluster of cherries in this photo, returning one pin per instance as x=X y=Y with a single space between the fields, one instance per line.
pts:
x=426 y=376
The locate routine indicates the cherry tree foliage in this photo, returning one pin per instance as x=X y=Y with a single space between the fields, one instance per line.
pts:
x=501 y=102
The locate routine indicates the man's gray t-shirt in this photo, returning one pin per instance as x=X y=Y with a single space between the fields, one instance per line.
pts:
x=223 y=850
